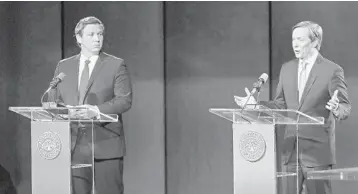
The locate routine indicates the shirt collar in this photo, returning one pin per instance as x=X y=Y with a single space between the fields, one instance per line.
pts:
x=312 y=59
x=93 y=58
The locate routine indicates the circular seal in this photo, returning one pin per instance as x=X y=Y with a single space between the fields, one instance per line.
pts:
x=252 y=146
x=49 y=145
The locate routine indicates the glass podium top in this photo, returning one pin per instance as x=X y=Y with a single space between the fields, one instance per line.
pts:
x=285 y=174
x=59 y=114
x=262 y=114
x=335 y=174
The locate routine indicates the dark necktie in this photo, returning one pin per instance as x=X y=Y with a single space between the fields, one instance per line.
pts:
x=84 y=82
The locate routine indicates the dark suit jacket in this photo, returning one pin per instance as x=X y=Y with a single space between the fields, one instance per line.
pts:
x=109 y=88
x=316 y=142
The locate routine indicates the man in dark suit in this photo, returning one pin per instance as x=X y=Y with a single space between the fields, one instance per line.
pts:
x=101 y=83
x=315 y=86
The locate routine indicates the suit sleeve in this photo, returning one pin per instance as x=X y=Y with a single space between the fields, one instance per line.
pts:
x=54 y=95
x=122 y=100
x=279 y=101
x=338 y=83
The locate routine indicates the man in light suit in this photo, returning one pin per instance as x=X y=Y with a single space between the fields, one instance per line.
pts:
x=315 y=86
x=101 y=82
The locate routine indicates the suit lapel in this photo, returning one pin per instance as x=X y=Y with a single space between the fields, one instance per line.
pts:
x=73 y=76
x=311 y=79
x=95 y=72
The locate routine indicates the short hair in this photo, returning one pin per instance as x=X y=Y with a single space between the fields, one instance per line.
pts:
x=314 y=29
x=86 y=21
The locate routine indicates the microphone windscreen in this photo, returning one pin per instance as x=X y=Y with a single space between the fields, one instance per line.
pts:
x=264 y=77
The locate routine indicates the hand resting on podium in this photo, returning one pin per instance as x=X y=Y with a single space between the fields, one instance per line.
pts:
x=85 y=111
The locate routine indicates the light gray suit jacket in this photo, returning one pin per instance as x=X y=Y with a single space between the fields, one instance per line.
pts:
x=316 y=142
x=109 y=88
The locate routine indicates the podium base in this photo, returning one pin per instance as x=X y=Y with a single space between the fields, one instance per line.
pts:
x=254 y=158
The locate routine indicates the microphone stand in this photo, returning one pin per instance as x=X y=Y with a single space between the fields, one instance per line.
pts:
x=53 y=84
x=43 y=95
x=256 y=86
x=258 y=101
x=243 y=107
x=247 y=100
x=49 y=105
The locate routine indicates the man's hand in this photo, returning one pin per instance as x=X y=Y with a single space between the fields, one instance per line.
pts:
x=89 y=112
x=333 y=103
x=248 y=99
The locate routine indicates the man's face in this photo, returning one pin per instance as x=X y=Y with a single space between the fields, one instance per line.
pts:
x=92 y=38
x=301 y=43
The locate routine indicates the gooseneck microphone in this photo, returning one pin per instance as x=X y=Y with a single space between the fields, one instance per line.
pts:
x=53 y=84
x=260 y=82
x=256 y=87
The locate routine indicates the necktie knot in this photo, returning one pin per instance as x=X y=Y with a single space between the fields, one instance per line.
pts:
x=87 y=61
x=303 y=65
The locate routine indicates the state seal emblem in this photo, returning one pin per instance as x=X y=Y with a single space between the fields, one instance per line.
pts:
x=49 y=145
x=252 y=146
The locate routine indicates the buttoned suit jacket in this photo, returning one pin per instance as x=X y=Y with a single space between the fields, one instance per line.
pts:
x=109 y=88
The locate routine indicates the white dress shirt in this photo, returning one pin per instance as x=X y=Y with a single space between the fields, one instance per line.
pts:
x=310 y=62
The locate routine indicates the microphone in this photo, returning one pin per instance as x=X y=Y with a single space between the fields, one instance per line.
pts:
x=257 y=85
x=256 y=88
x=55 y=81
x=53 y=84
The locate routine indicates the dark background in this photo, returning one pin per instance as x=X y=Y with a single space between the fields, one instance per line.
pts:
x=184 y=58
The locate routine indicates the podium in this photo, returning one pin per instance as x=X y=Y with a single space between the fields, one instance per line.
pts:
x=51 y=147
x=254 y=145
x=339 y=174
x=345 y=179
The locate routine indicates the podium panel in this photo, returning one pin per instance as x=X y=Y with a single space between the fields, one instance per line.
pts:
x=52 y=162
x=50 y=158
x=254 y=145
x=254 y=158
